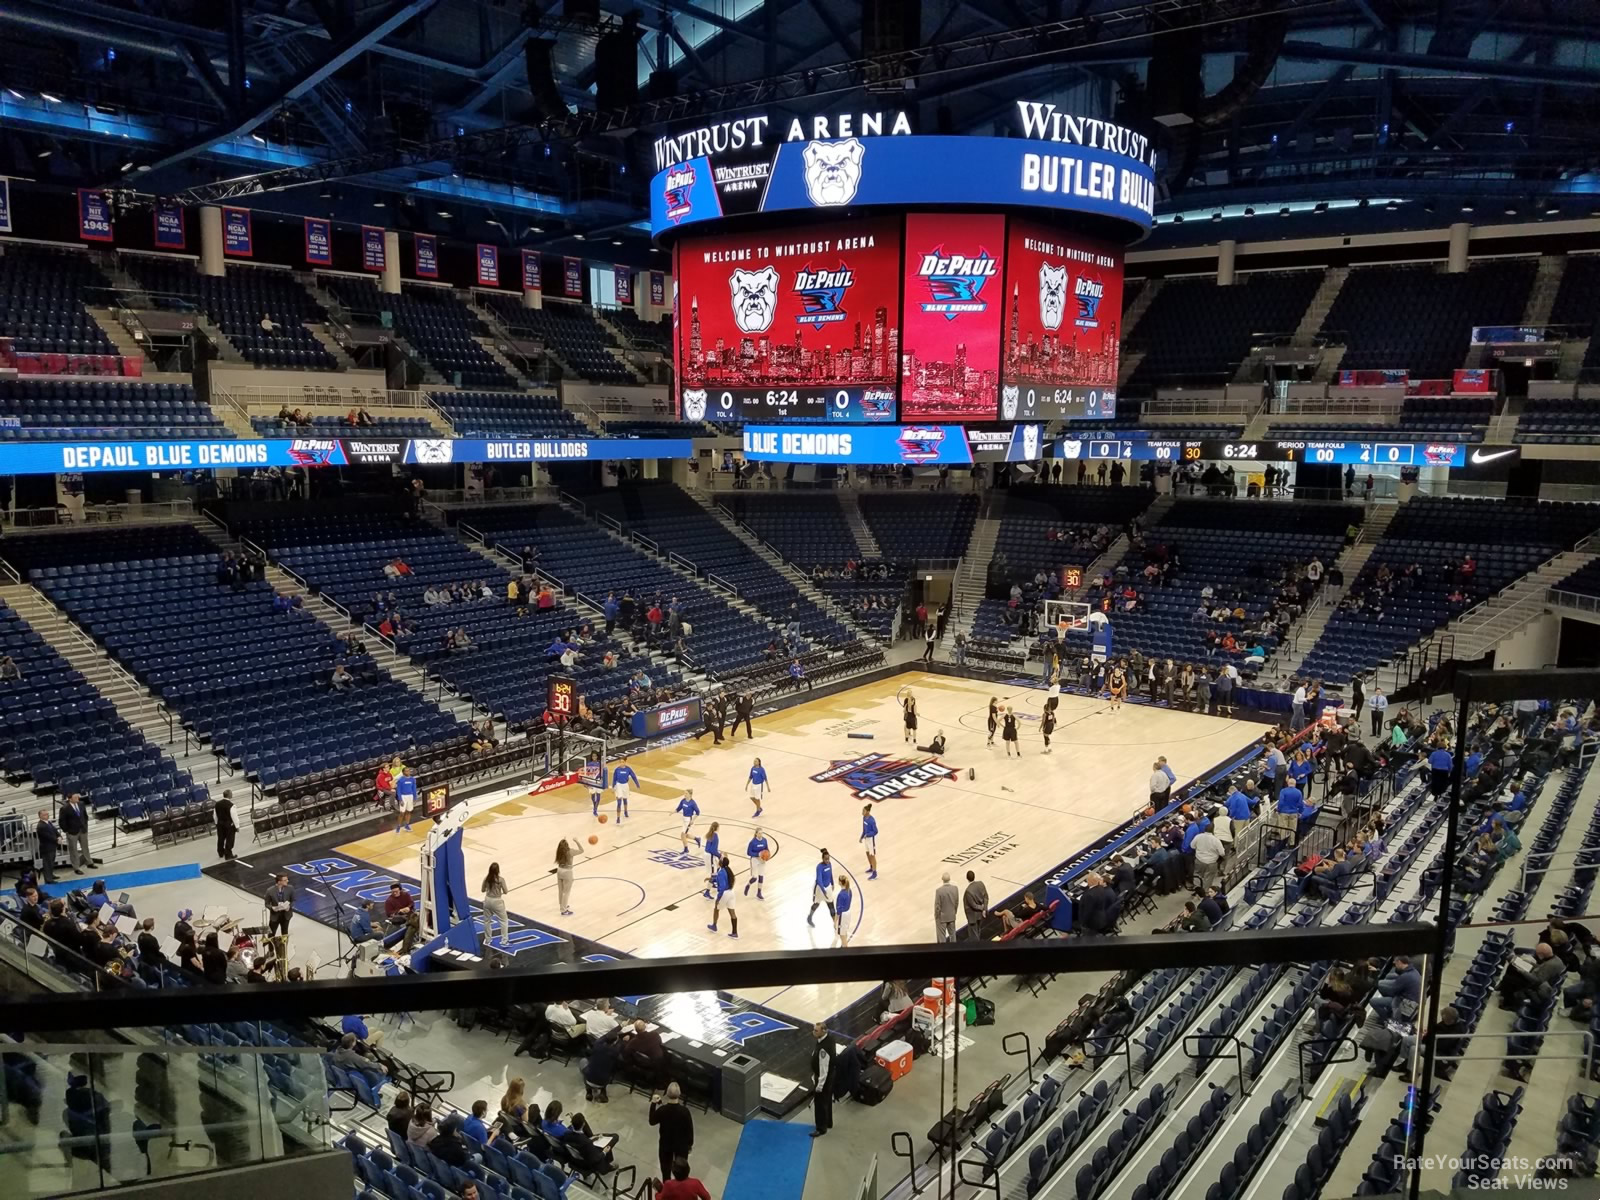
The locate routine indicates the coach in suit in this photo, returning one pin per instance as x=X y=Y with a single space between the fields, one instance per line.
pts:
x=74 y=818
x=946 y=904
x=49 y=839
x=745 y=706
x=227 y=828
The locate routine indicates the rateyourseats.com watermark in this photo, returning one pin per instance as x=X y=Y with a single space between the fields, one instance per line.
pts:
x=1551 y=1173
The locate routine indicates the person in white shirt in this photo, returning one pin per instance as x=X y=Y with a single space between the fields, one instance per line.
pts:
x=1314 y=570
x=1208 y=852
x=1160 y=786
x=1299 y=707
x=600 y=1020
x=561 y=1014
x=430 y=597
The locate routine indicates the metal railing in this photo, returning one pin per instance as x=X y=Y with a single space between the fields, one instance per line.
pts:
x=1200 y=406
x=1578 y=601
x=1334 y=406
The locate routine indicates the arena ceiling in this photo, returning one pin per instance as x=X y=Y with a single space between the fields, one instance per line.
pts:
x=335 y=106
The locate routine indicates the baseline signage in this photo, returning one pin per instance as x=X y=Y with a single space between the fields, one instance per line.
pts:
x=426 y=246
x=877 y=445
x=319 y=242
x=868 y=154
x=1341 y=452
x=167 y=216
x=56 y=458
x=794 y=324
x=372 y=251
x=666 y=718
x=94 y=216
x=1019 y=443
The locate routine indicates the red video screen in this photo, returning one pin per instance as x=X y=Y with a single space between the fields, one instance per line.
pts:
x=1063 y=317
x=954 y=294
x=790 y=324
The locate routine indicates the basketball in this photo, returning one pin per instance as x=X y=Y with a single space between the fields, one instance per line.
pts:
x=594 y=839
x=766 y=854
x=603 y=818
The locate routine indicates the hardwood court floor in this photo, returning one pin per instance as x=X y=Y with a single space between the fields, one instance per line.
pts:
x=635 y=891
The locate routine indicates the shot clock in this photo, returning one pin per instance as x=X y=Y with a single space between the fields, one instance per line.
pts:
x=562 y=696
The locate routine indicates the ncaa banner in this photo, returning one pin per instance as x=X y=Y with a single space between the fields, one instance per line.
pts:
x=572 y=277
x=427 y=247
x=319 y=242
x=236 y=235
x=658 y=289
x=532 y=271
x=372 y=256
x=624 y=281
x=5 y=205
x=169 y=230
x=488 y=266
x=94 y=216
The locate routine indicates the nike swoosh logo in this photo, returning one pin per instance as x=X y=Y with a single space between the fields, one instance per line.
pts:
x=1478 y=456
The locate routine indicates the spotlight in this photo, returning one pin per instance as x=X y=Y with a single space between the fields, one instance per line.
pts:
x=1322 y=207
x=45 y=153
x=1284 y=211
x=258 y=139
x=1249 y=212
x=126 y=167
x=49 y=97
x=16 y=94
x=1551 y=208
x=444 y=214
x=579 y=236
x=616 y=241
x=1177 y=219
x=379 y=204
x=326 y=193
x=1392 y=206
x=1510 y=210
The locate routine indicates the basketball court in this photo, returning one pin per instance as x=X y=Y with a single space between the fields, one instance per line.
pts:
x=637 y=892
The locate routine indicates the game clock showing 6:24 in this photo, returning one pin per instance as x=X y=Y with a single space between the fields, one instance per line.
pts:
x=562 y=699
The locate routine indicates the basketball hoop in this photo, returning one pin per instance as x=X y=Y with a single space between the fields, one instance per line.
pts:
x=1068 y=617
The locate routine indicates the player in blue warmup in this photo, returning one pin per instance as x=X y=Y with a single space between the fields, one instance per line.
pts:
x=758 y=865
x=722 y=880
x=405 y=795
x=623 y=778
x=714 y=853
x=756 y=787
x=869 y=840
x=689 y=810
x=822 y=892
x=594 y=776
x=841 y=908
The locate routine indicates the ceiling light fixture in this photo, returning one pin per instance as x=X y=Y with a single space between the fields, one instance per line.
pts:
x=49 y=97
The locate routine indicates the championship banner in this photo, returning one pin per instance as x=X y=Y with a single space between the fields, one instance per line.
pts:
x=427 y=247
x=94 y=216
x=488 y=266
x=372 y=256
x=532 y=271
x=5 y=205
x=236 y=237
x=572 y=277
x=624 y=284
x=319 y=242
x=169 y=230
x=658 y=289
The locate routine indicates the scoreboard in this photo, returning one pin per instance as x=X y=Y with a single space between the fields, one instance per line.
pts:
x=562 y=697
x=1333 y=451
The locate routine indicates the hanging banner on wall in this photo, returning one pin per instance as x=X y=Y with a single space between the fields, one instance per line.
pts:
x=488 y=266
x=319 y=242
x=624 y=279
x=427 y=255
x=532 y=271
x=169 y=230
x=372 y=256
x=572 y=277
x=5 y=205
x=236 y=238
x=94 y=216
x=658 y=289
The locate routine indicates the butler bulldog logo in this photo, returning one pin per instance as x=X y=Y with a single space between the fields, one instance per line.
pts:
x=1009 y=398
x=755 y=299
x=1071 y=448
x=1052 y=295
x=833 y=171
x=1030 y=442
x=434 y=451
x=694 y=404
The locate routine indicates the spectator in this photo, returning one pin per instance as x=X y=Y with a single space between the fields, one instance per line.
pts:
x=74 y=822
x=213 y=962
x=421 y=1130
x=975 y=904
x=592 y=1152
x=1531 y=978
x=599 y=1067
x=341 y=680
x=1098 y=907
x=1208 y=852
x=682 y=1185
x=150 y=952
x=49 y=835
x=59 y=927
x=9 y=670
x=676 y=1123
x=645 y=1051
x=449 y=1146
x=398 y=1117
x=1399 y=991
x=474 y=1126
x=1194 y=920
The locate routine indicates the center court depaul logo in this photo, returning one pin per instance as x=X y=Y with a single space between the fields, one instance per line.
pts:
x=877 y=777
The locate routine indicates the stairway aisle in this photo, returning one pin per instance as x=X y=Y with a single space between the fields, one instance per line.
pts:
x=972 y=580
x=850 y=502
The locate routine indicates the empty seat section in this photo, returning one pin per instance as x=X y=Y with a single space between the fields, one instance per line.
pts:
x=437 y=325
x=509 y=414
x=923 y=525
x=1575 y=308
x=1440 y=310
x=49 y=409
x=43 y=291
x=571 y=330
x=251 y=679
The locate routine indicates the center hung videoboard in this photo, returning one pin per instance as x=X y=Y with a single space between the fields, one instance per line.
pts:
x=798 y=324
x=954 y=292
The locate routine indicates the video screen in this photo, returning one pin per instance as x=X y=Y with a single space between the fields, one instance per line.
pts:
x=954 y=284
x=1062 y=322
x=799 y=324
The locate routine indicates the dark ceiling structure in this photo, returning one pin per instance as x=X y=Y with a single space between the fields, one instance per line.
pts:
x=530 y=123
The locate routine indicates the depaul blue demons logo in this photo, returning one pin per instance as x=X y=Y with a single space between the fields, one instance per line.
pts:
x=822 y=295
x=315 y=452
x=920 y=443
x=877 y=777
x=955 y=280
x=1088 y=293
x=679 y=183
